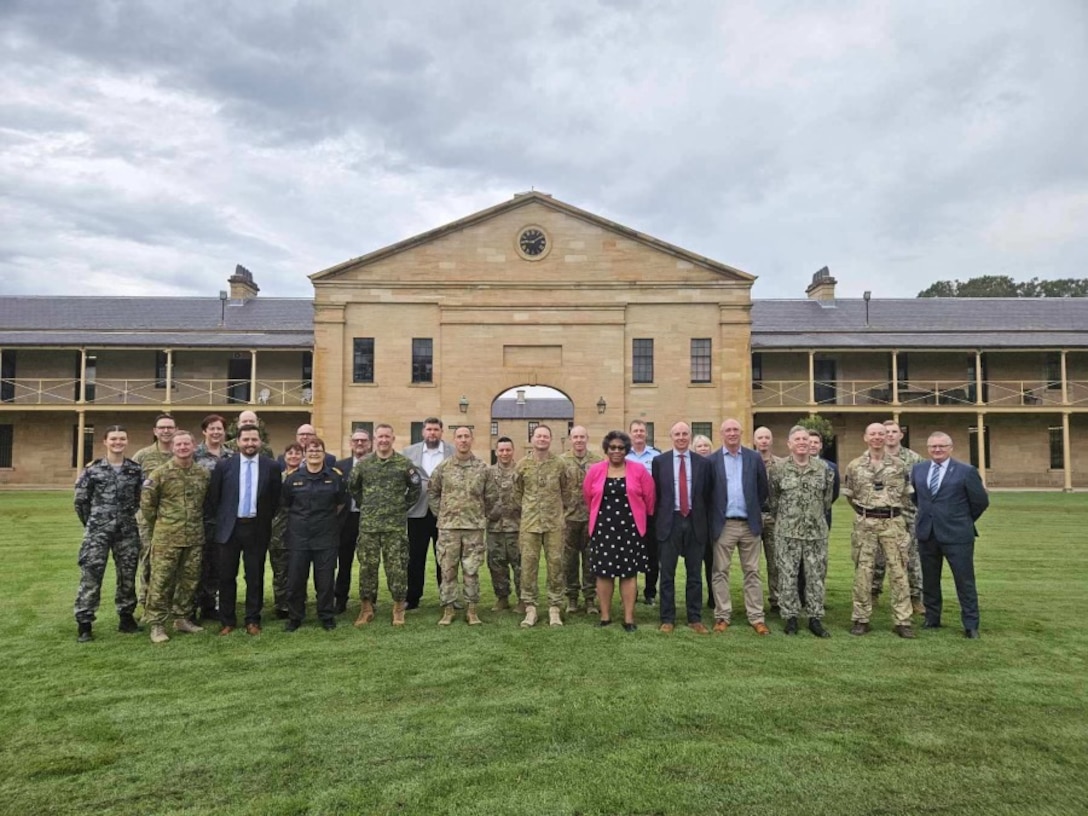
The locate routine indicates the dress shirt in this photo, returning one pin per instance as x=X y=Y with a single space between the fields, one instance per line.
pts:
x=676 y=478
x=735 y=506
x=644 y=458
x=431 y=459
x=247 y=464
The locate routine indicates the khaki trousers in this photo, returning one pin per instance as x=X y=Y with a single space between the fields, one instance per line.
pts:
x=739 y=536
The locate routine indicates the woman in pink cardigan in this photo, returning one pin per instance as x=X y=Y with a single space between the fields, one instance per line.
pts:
x=620 y=495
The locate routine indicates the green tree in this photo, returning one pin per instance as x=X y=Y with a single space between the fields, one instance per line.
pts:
x=1004 y=286
x=817 y=423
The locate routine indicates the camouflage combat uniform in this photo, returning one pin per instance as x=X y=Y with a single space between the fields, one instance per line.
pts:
x=106 y=502
x=148 y=459
x=576 y=531
x=879 y=492
x=799 y=501
x=278 y=557
x=384 y=490
x=768 y=539
x=172 y=503
x=541 y=487
x=503 y=521
x=207 y=591
x=456 y=495
x=914 y=564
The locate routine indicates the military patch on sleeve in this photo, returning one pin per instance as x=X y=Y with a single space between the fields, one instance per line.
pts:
x=413 y=476
x=149 y=482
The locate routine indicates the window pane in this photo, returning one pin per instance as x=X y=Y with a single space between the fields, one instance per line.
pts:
x=700 y=359
x=362 y=370
x=422 y=359
x=642 y=362
x=1057 y=449
x=7 y=438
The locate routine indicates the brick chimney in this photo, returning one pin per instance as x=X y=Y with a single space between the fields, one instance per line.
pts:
x=242 y=285
x=822 y=287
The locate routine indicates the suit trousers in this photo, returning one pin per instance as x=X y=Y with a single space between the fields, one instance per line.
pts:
x=652 y=571
x=244 y=543
x=682 y=543
x=961 y=560
x=349 y=536
x=298 y=570
x=737 y=535
x=421 y=532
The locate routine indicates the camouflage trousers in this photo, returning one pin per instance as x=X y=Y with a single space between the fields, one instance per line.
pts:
x=391 y=547
x=504 y=558
x=791 y=554
x=207 y=591
x=891 y=537
x=143 y=564
x=771 y=559
x=464 y=549
x=278 y=559
x=914 y=568
x=531 y=545
x=175 y=572
x=576 y=570
x=93 y=554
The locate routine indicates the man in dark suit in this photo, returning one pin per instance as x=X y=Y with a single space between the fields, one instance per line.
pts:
x=736 y=522
x=684 y=486
x=422 y=523
x=349 y=533
x=950 y=498
x=242 y=498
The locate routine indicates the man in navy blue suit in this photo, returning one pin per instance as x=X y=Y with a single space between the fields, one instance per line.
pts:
x=950 y=498
x=684 y=484
x=242 y=498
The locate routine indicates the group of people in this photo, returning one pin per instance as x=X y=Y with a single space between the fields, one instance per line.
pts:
x=183 y=515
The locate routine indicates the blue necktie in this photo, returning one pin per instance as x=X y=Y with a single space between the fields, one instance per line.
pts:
x=934 y=479
x=247 y=496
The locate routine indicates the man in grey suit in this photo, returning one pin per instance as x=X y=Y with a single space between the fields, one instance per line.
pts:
x=950 y=498
x=422 y=524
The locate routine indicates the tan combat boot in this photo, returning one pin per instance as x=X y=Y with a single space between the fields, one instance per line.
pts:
x=158 y=634
x=447 y=615
x=501 y=605
x=572 y=607
x=530 y=617
x=591 y=608
x=398 y=613
x=187 y=626
x=471 y=616
x=554 y=619
x=366 y=614
x=520 y=608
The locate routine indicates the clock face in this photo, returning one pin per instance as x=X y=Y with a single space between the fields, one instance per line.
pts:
x=532 y=242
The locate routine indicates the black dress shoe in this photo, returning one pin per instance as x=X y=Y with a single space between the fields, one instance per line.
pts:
x=292 y=626
x=603 y=623
x=817 y=628
x=791 y=626
x=970 y=634
x=328 y=625
x=411 y=605
x=282 y=614
x=340 y=607
x=630 y=627
x=931 y=625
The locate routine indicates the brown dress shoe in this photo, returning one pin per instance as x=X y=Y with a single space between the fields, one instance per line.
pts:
x=698 y=628
x=226 y=630
x=761 y=628
x=666 y=628
x=721 y=626
x=253 y=629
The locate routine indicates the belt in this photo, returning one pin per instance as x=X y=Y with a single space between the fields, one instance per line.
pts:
x=736 y=518
x=252 y=520
x=881 y=512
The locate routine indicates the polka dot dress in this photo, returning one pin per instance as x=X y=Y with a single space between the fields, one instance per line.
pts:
x=616 y=550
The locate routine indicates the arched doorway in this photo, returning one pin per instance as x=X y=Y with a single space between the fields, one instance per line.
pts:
x=517 y=411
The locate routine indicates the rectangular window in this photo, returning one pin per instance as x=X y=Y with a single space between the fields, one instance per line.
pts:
x=702 y=429
x=700 y=359
x=362 y=360
x=363 y=426
x=494 y=428
x=88 y=445
x=650 y=434
x=307 y=369
x=532 y=427
x=422 y=359
x=7 y=440
x=1057 y=448
x=757 y=371
x=642 y=360
x=417 y=433
x=160 y=369
x=1053 y=374
x=972 y=437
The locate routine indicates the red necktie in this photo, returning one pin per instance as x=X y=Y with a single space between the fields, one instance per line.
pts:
x=685 y=507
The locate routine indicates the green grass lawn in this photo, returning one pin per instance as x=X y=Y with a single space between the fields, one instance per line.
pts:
x=578 y=720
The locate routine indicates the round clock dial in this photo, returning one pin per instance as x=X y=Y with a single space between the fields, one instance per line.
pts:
x=533 y=242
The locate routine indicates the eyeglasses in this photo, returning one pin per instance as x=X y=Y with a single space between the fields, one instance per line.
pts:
x=622 y=448
x=939 y=447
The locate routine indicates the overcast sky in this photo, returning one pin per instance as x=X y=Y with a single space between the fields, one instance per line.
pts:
x=147 y=148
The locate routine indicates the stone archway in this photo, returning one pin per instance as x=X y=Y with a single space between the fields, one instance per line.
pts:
x=517 y=411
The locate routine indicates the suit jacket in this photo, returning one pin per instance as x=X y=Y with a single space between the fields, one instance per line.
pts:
x=641 y=492
x=950 y=516
x=756 y=492
x=415 y=456
x=702 y=494
x=221 y=503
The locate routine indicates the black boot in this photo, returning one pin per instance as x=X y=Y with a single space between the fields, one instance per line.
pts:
x=84 y=633
x=128 y=624
x=817 y=628
x=791 y=626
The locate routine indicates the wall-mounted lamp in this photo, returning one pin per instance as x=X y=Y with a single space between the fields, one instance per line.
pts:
x=602 y=406
x=867 y=296
x=463 y=404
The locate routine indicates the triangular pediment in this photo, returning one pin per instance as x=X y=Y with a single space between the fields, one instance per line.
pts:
x=492 y=246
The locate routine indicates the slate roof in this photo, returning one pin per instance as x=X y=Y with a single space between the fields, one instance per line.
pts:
x=156 y=321
x=532 y=408
x=937 y=323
